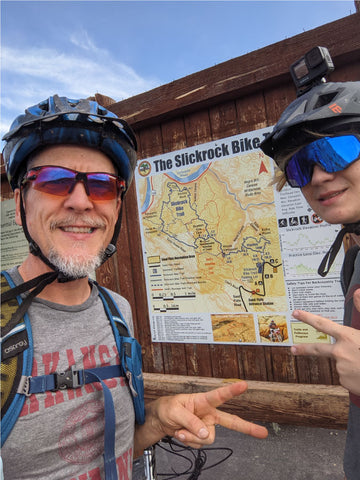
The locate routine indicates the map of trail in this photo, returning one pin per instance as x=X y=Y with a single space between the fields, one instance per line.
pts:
x=211 y=238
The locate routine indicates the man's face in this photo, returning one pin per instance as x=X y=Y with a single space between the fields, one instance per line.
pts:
x=335 y=196
x=71 y=229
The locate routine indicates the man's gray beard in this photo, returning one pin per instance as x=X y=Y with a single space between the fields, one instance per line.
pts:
x=76 y=266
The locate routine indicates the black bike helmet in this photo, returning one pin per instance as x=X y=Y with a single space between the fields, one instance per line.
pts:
x=60 y=120
x=330 y=108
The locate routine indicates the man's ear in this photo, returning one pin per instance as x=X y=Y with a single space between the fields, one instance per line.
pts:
x=17 y=197
x=119 y=202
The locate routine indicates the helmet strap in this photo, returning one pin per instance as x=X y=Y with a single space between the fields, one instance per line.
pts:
x=111 y=248
x=329 y=258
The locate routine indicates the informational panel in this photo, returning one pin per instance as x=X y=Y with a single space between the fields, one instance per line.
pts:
x=226 y=257
x=14 y=247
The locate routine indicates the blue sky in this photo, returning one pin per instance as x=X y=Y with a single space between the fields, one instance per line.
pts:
x=122 y=48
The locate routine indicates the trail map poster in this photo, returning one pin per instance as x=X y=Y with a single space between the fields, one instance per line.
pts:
x=227 y=258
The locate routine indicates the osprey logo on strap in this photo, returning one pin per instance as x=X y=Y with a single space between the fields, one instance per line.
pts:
x=15 y=343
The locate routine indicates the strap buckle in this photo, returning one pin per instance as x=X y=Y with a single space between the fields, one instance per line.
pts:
x=72 y=378
x=24 y=386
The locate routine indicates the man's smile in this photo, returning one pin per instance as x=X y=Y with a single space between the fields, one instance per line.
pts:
x=78 y=229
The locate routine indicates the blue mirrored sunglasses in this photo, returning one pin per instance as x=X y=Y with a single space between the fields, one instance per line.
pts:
x=332 y=154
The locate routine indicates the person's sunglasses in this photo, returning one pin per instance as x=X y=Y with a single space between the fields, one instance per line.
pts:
x=61 y=181
x=332 y=154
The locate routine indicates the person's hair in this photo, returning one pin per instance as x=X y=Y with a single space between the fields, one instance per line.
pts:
x=279 y=179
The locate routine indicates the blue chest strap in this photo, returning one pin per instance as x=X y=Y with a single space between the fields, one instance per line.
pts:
x=73 y=378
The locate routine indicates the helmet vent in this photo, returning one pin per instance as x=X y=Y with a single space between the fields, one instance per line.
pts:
x=325 y=99
x=44 y=106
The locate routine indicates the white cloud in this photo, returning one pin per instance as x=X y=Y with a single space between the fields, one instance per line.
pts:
x=32 y=74
x=82 y=40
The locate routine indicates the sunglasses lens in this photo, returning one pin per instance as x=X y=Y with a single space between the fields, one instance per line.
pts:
x=102 y=186
x=332 y=154
x=52 y=180
x=298 y=171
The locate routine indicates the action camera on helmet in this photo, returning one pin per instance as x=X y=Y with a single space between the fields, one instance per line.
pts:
x=310 y=69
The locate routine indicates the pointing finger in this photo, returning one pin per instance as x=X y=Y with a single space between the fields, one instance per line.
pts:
x=320 y=323
x=233 y=422
x=318 y=349
x=226 y=420
x=221 y=395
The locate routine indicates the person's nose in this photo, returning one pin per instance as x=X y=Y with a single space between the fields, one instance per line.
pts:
x=320 y=175
x=78 y=199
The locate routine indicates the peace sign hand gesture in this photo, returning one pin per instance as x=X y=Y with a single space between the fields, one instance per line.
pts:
x=346 y=350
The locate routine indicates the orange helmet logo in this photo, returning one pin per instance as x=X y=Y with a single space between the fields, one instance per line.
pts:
x=335 y=108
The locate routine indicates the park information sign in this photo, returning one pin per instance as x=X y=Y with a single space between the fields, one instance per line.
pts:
x=14 y=246
x=227 y=258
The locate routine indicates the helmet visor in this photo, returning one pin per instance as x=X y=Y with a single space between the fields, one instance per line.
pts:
x=332 y=154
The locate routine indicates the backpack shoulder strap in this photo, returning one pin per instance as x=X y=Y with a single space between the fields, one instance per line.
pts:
x=348 y=267
x=16 y=358
x=116 y=318
x=129 y=353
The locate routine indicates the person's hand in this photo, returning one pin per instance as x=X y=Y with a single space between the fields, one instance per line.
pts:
x=345 y=352
x=191 y=418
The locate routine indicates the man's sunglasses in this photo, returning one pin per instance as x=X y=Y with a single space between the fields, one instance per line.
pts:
x=332 y=154
x=61 y=181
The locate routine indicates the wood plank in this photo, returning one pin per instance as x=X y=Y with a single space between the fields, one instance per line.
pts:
x=197 y=127
x=252 y=361
x=251 y=112
x=107 y=274
x=173 y=135
x=314 y=370
x=224 y=361
x=345 y=72
x=323 y=406
x=198 y=360
x=128 y=274
x=276 y=100
x=150 y=143
x=283 y=364
x=6 y=191
x=223 y=120
x=174 y=358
